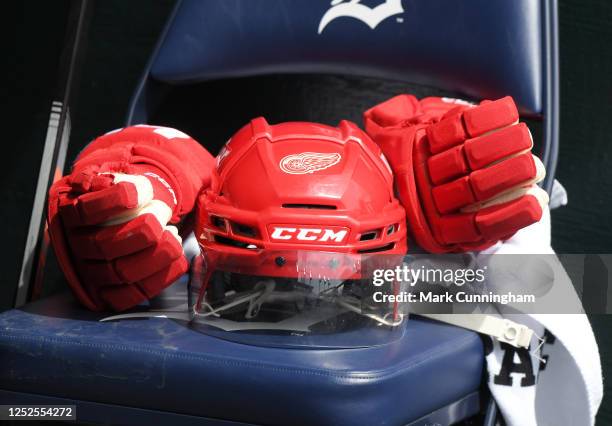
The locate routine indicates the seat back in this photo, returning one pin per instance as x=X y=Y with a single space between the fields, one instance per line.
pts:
x=477 y=48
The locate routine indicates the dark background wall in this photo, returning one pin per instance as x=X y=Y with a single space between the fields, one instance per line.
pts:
x=121 y=35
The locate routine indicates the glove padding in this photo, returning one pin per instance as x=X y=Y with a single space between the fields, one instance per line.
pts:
x=464 y=173
x=109 y=220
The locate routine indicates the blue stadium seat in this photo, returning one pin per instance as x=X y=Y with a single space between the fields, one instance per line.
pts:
x=160 y=371
x=156 y=370
x=477 y=48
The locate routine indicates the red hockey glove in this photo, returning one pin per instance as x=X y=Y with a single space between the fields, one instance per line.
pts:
x=109 y=219
x=465 y=174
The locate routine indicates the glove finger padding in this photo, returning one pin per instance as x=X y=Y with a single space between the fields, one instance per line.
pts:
x=119 y=298
x=124 y=195
x=465 y=174
x=108 y=243
x=109 y=219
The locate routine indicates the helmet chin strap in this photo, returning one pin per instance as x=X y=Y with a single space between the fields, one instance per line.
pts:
x=382 y=320
x=254 y=299
x=504 y=330
x=267 y=287
x=263 y=292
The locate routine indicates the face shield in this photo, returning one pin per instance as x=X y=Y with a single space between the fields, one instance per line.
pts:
x=306 y=299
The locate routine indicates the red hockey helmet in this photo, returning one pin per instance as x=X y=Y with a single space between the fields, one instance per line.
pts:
x=291 y=204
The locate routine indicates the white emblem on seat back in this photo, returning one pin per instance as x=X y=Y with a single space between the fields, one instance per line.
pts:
x=354 y=9
x=308 y=162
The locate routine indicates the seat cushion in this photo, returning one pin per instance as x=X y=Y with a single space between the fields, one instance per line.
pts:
x=52 y=347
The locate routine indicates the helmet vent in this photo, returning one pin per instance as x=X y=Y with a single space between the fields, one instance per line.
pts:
x=391 y=229
x=386 y=247
x=234 y=243
x=218 y=222
x=240 y=229
x=310 y=206
x=368 y=236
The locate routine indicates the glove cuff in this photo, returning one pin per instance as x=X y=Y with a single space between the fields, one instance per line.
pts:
x=176 y=161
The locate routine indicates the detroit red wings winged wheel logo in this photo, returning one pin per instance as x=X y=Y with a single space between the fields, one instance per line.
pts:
x=308 y=162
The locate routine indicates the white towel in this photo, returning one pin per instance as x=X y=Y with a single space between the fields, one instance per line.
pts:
x=568 y=389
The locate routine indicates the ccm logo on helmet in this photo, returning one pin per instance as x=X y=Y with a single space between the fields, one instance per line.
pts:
x=307 y=234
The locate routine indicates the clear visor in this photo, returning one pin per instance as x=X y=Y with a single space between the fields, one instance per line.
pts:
x=323 y=301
